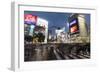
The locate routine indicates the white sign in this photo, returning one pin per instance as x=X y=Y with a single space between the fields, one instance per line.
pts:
x=42 y=22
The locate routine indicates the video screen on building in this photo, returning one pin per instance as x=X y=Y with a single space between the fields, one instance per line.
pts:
x=73 y=26
x=30 y=19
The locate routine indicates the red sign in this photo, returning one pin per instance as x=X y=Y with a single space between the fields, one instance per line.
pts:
x=74 y=29
x=28 y=18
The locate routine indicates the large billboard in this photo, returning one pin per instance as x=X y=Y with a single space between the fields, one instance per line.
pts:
x=73 y=26
x=30 y=19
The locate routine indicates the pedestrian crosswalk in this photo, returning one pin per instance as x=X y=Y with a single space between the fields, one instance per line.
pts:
x=57 y=55
x=41 y=53
x=69 y=56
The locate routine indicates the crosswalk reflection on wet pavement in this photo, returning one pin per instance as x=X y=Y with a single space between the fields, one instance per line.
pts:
x=43 y=52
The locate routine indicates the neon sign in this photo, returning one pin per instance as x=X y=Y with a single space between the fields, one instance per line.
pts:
x=30 y=19
x=73 y=25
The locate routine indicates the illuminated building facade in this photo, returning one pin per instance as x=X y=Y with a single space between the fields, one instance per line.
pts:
x=44 y=25
x=78 y=28
x=35 y=29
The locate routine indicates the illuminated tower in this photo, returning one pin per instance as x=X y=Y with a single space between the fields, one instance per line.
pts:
x=77 y=25
x=78 y=28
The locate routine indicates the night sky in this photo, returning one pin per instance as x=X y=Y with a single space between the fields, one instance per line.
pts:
x=56 y=19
